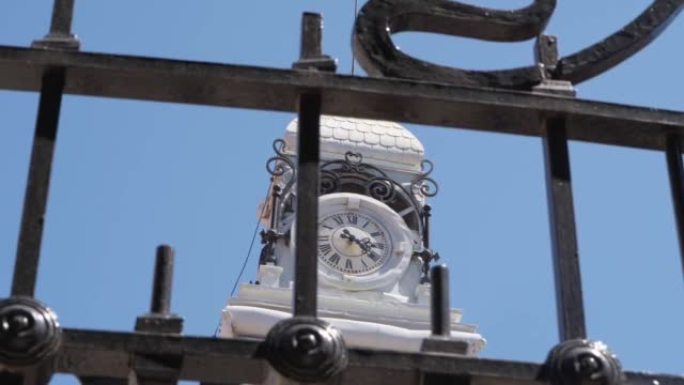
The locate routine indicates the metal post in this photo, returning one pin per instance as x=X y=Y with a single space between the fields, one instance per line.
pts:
x=676 y=172
x=570 y=307
x=311 y=49
x=306 y=252
x=439 y=302
x=60 y=36
x=163 y=281
x=62 y=14
x=37 y=187
x=153 y=368
x=160 y=319
x=427 y=213
x=311 y=37
x=275 y=203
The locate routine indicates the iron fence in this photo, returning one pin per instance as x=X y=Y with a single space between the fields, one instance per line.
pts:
x=536 y=101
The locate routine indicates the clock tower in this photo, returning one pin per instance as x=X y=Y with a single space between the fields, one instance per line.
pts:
x=373 y=240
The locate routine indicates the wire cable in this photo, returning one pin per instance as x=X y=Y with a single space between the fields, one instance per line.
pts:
x=251 y=244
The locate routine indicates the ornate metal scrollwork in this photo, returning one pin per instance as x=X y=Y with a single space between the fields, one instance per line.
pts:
x=424 y=184
x=329 y=182
x=583 y=362
x=353 y=175
x=379 y=19
x=381 y=188
x=353 y=162
x=280 y=165
x=283 y=170
x=29 y=332
x=305 y=349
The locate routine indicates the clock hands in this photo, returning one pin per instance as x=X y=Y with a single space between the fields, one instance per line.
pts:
x=365 y=244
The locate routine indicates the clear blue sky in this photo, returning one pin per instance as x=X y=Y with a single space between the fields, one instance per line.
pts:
x=129 y=175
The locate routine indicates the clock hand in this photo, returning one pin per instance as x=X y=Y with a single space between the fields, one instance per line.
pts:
x=366 y=245
x=348 y=236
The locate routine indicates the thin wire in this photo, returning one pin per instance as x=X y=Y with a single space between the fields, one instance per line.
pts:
x=356 y=7
x=251 y=244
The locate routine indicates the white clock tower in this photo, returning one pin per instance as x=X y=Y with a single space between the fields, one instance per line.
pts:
x=373 y=240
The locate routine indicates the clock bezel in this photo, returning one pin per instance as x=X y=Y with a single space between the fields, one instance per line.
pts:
x=402 y=238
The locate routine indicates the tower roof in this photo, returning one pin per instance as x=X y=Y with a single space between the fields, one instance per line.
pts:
x=384 y=144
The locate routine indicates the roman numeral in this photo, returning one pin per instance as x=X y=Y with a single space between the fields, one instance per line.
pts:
x=352 y=218
x=335 y=258
x=364 y=263
x=338 y=219
x=348 y=264
x=326 y=227
x=373 y=256
x=324 y=248
x=377 y=234
x=366 y=224
x=322 y=238
x=380 y=246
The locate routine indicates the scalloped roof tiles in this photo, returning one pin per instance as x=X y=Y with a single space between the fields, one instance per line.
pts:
x=382 y=143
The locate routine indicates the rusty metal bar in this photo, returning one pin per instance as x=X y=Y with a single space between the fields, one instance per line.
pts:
x=306 y=251
x=374 y=98
x=106 y=354
x=570 y=307
x=676 y=173
x=35 y=199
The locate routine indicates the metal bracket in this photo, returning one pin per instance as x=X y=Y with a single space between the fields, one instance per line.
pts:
x=546 y=54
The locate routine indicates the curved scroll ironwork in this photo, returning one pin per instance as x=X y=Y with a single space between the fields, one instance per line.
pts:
x=281 y=165
x=379 y=19
x=619 y=46
x=424 y=184
x=382 y=189
x=353 y=175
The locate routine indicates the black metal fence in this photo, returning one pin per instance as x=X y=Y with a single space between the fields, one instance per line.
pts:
x=534 y=101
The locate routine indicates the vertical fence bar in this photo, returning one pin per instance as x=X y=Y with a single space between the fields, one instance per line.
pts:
x=569 y=304
x=162 y=284
x=306 y=253
x=35 y=199
x=60 y=36
x=311 y=49
x=439 y=302
x=676 y=172
x=311 y=37
x=62 y=14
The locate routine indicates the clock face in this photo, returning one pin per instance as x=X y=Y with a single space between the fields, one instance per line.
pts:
x=362 y=243
x=353 y=243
